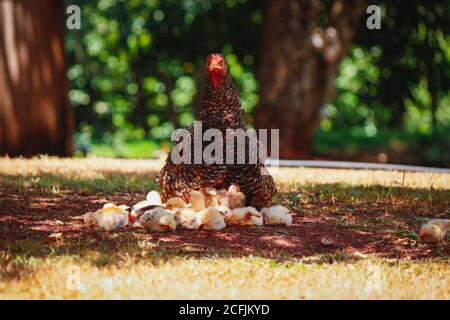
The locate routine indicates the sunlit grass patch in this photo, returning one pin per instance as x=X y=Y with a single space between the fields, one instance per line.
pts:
x=102 y=182
x=231 y=277
x=138 y=149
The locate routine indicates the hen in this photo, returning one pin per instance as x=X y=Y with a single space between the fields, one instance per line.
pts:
x=221 y=109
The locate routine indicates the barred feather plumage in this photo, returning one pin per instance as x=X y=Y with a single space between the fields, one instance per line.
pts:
x=220 y=108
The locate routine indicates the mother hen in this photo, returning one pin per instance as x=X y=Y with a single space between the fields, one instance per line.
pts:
x=221 y=109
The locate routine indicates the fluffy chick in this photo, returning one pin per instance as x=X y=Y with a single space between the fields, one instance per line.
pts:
x=111 y=218
x=209 y=196
x=197 y=200
x=233 y=198
x=108 y=205
x=226 y=212
x=247 y=216
x=142 y=206
x=211 y=219
x=158 y=220
x=276 y=215
x=187 y=218
x=435 y=230
x=175 y=203
x=89 y=219
x=154 y=198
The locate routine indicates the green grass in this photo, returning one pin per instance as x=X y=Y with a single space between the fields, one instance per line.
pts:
x=129 y=150
x=54 y=184
x=411 y=147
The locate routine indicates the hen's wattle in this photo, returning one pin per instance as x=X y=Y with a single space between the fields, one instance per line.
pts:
x=221 y=109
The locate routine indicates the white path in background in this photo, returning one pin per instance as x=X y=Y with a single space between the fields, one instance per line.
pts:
x=354 y=165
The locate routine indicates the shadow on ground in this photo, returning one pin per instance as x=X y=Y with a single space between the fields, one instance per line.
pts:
x=31 y=221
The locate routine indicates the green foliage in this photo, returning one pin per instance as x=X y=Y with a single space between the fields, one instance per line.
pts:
x=137 y=67
x=137 y=72
x=395 y=86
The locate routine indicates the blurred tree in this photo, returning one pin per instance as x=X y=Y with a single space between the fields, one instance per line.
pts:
x=412 y=51
x=303 y=45
x=137 y=72
x=394 y=88
x=35 y=113
x=137 y=67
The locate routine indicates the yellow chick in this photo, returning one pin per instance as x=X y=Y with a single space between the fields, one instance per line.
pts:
x=247 y=216
x=197 y=200
x=226 y=212
x=111 y=218
x=158 y=220
x=89 y=219
x=222 y=196
x=211 y=219
x=209 y=196
x=124 y=207
x=233 y=198
x=187 y=218
x=175 y=203
x=276 y=215
x=435 y=230
x=108 y=205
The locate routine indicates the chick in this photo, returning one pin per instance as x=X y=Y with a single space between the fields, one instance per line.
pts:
x=158 y=220
x=211 y=219
x=89 y=219
x=197 y=200
x=142 y=206
x=247 y=216
x=132 y=216
x=209 y=196
x=111 y=218
x=222 y=196
x=276 y=215
x=233 y=198
x=154 y=198
x=187 y=218
x=125 y=207
x=175 y=203
x=435 y=230
x=226 y=212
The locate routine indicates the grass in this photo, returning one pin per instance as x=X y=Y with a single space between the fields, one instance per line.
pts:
x=399 y=146
x=139 y=149
x=134 y=265
x=220 y=277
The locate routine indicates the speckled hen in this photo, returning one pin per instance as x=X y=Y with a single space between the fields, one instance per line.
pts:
x=221 y=109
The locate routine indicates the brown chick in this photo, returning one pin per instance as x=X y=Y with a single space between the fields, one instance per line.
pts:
x=435 y=230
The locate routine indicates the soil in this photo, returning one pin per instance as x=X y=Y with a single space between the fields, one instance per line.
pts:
x=387 y=230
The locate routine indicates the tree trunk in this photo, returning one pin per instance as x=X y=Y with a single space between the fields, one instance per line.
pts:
x=299 y=64
x=35 y=114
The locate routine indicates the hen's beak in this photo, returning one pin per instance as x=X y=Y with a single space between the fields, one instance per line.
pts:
x=214 y=65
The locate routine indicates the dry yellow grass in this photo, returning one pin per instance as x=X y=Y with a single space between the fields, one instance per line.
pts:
x=233 y=278
x=91 y=168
